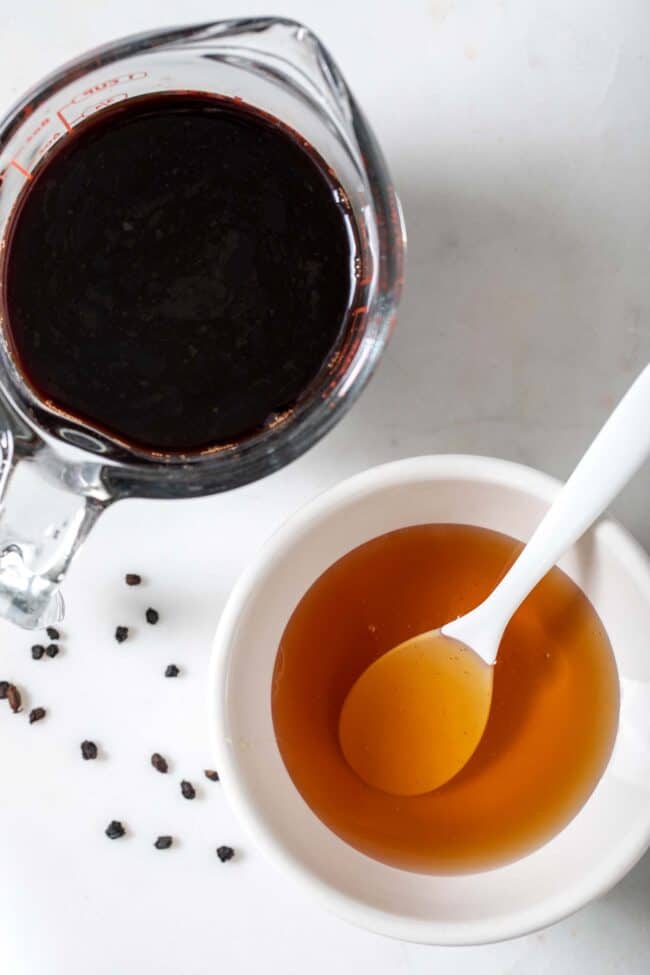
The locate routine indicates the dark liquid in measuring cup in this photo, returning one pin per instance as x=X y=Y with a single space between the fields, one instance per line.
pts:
x=178 y=272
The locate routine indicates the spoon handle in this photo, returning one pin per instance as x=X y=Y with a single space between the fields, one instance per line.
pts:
x=614 y=456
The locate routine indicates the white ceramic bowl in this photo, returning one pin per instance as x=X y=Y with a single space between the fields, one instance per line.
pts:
x=591 y=854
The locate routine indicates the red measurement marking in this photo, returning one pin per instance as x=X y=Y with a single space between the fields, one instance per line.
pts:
x=93 y=90
x=63 y=119
x=104 y=103
x=21 y=169
x=32 y=135
x=50 y=142
x=118 y=97
x=96 y=88
x=108 y=83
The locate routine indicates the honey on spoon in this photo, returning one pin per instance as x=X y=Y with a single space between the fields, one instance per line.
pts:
x=414 y=718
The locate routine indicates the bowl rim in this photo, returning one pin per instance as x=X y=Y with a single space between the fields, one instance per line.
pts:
x=588 y=886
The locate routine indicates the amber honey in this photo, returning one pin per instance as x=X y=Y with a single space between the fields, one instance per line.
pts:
x=554 y=709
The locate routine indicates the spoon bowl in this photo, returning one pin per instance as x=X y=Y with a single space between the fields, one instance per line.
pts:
x=430 y=689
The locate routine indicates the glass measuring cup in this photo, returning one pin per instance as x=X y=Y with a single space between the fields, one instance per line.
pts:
x=58 y=474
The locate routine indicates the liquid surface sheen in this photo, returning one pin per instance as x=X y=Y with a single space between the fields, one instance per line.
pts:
x=178 y=272
x=552 y=722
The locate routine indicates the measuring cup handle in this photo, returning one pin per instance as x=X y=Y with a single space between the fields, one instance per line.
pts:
x=42 y=524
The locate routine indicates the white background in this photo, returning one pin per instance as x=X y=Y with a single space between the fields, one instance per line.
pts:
x=518 y=133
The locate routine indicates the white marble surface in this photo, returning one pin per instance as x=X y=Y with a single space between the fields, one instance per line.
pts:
x=519 y=137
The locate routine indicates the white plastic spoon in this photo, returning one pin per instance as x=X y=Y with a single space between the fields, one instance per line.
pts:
x=414 y=718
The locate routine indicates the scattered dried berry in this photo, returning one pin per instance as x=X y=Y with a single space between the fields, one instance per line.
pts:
x=37 y=651
x=163 y=842
x=225 y=853
x=121 y=633
x=211 y=774
x=88 y=750
x=159 y=763
x=53 y=633
x=188 y=789
x=36 y=714
x=14 y=698
x=152 y=616
x=4 y=687
x=52 y=650
x=132 y=579
x=172 y=671
x=114 y=830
